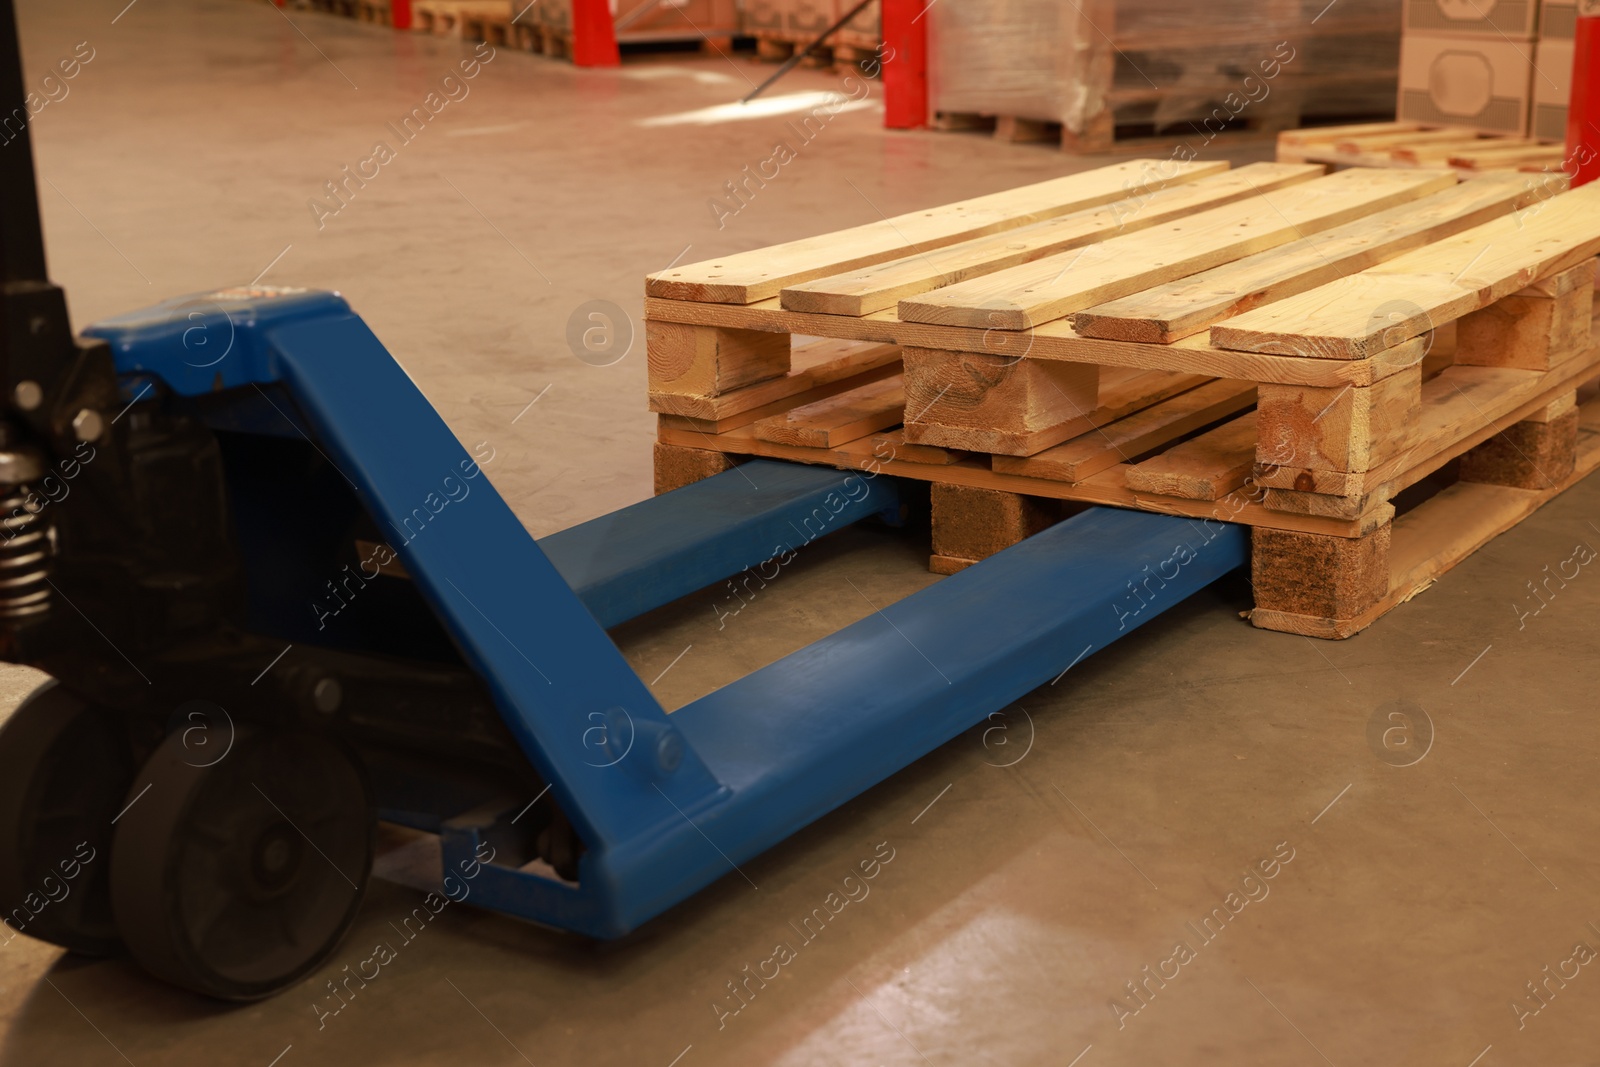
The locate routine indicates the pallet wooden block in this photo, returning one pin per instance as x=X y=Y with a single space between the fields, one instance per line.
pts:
x=676 y=466
x=1056 y=349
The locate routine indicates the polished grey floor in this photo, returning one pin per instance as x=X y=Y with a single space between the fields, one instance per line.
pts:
x=1039 y=866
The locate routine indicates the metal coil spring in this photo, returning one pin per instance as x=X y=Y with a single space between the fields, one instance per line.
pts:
x=25 y=550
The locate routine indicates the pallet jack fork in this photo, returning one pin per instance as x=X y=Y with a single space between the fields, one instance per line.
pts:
x=246 y=447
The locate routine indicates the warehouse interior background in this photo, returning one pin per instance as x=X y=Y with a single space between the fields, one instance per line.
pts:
x=1031 y=873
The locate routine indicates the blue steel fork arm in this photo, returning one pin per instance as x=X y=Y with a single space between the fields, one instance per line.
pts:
x=680 y=801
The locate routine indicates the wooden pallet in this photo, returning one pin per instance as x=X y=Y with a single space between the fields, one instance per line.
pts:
x=1142 y=72
x=448 y=18
x=777 y=48
x=491 y=26
x=1268 y=346
x=1412 y=144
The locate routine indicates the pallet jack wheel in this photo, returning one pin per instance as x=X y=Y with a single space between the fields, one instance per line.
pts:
x=237 y=879
x=65 y=768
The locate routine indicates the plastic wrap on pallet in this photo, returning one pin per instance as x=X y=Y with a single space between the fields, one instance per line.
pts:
x=1010 y=57
x=689 y=18
x=1162 y=62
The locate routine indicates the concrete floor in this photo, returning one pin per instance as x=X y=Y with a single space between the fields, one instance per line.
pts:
x=1037 y=869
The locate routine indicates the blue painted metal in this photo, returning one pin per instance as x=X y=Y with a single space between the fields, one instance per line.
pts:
x=624 y=564
x=668 y=806
x=205 y=342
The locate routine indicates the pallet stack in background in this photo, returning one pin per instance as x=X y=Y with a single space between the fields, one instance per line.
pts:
x=1502 y=68
x=781 y=26
x=1092 y=73
x=1552 y=80
x=545 y=26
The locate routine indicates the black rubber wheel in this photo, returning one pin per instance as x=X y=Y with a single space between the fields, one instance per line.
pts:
x=237 y=879
x=65 y=769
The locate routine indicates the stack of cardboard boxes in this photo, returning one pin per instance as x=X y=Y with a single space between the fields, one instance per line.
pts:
x=1497 y=66
x=799 y=21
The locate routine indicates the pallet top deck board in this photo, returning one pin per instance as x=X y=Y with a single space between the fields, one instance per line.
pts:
x=1039 y=292
x=1178 y=309
x=883 y=285
x=1360 y=315
x=1053 y=340
x=747 y=277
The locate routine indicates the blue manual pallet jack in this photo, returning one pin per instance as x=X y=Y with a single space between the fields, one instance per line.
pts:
x=251 y=469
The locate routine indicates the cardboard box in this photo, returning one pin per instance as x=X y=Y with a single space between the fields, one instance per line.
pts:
x=1558 y=19
x=763 y=16
x=1552 y=90
x=805 y=19
x=1466 y=81
x=1502 y=20
x=711 y=17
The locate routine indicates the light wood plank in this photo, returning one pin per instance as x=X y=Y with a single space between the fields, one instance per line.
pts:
x=1108 y=487
x=820 y=369
x=1462 y=407
x=745 y=277
x=1187 y=306
x=841 y=418
x=1207 y=467
x=1022 y=297
x=1318 y=134
x=1362 y=314
x=882 y=285
x=1003 y=426
x=1053 y=340
x=1432 y=539
x=1128 y=437
x=1379 y=142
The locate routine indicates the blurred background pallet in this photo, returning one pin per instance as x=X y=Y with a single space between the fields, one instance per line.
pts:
x=1105 y=72
x=1412 y=144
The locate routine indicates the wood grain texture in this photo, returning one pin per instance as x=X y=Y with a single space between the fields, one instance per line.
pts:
x=1127 y=438
x=707 y=361
x=1346 y=429
x=985 y=403
x=1207 y=467
x=882 y=285
x=1181 y=308
x=1526 y=455
x=969 y=427
x=1462 y=407
x=1108 y=487
x=972 y=523
x=1054 y=340
x=1323 y=577
x=1430 y=540
x=1362 y=314
x=746 y=277
x=677 y=466
x=838 y=419
x=1025 y=296
x=1320 y=134
x=1534 y=328
x=818 y=370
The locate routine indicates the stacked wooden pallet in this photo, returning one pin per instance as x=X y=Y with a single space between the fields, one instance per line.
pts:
x=1413 y=144
x=1268 y=346
x=452 y=18
x=780 y=26
x=1095 y=73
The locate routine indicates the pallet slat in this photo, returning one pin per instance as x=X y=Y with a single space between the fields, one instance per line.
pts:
x=746 y=277
x=883 y=285
x=1440 y=283
x=1177 y=309
x=1021 y=297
